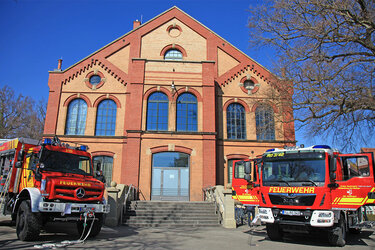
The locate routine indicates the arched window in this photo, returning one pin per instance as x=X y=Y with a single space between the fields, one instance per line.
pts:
x=236 y=124
x=76 y=117
x=265 y=125
x=157 y=112
x=187 y=119
x=106 y=118
x=106 y=165
x=173 y=54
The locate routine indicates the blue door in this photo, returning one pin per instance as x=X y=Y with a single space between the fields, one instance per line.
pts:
x=170 y=176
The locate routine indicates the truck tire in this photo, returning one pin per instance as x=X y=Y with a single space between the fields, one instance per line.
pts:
x=274 y=232
x=337 y=234
x=28 y=224
x=95 y=230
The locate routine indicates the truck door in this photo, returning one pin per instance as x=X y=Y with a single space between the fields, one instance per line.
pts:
x=357 y=185
x=242 y=190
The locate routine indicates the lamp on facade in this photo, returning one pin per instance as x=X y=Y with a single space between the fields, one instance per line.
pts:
x=173 y=87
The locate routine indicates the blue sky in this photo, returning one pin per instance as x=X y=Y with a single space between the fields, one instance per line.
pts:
x=36 y=33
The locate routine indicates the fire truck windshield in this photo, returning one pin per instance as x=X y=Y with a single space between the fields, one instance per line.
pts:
x=294 y=172
x=65 y=162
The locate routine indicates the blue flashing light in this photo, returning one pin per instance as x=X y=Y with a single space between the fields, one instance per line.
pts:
x=83 y=148
x=47 y=141
x=322 y=146
x=270 y=150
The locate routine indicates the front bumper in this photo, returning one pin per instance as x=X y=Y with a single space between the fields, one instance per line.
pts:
x=69 y=208
x=314 y=218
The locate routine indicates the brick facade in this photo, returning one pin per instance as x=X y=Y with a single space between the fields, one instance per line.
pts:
x=133 y=67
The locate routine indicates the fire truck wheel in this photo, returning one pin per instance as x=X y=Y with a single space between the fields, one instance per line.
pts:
x=27 y=223
x=274 y=231
x=337 y=235
x=95 y=230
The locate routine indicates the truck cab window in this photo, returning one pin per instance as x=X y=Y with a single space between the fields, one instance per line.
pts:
x=356 y=167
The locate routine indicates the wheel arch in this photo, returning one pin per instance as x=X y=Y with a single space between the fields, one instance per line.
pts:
x=32 y=194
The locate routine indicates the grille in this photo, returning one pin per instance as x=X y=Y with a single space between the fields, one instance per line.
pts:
x=68 y=192
x=297 y=200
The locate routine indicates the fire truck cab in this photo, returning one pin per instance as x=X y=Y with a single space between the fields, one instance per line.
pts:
x=315 y=188
x=47 y=180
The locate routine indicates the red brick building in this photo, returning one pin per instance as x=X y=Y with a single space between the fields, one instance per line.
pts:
x=167 y=107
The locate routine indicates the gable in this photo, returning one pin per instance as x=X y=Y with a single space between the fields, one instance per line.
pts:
x=225 y=62
x=182 y=35
x=120 y=58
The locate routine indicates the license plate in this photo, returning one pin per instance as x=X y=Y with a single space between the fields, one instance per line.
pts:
x=85 y=209
x=291 y=212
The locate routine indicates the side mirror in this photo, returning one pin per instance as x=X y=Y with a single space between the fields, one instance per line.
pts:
x=332 y=168
x=20 y=155
x=248 y=166
x=248 y=177
x=18 y=164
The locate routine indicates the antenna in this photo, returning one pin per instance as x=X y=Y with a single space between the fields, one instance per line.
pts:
x=141 y=19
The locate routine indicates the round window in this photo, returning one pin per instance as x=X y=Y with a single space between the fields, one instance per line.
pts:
x=248 y=84
x=95 y=80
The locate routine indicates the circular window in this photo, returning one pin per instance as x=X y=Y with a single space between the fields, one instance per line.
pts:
x=249 y=84
x=95 y=80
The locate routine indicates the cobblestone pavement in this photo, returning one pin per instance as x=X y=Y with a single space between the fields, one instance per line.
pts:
x=123 y=237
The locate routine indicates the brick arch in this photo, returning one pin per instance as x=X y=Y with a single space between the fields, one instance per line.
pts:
x=243 y=103
x=103 y=97
x=191 y=91
x=103 y=153
x=165 y=148
x=273 y=106
x=173 y=46
x=237 y=156
x=155 y=89
x=75 y=96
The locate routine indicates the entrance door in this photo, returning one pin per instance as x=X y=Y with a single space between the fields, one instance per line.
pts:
x=170 y=176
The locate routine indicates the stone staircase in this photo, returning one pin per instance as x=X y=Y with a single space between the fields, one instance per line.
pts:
x=170 y=214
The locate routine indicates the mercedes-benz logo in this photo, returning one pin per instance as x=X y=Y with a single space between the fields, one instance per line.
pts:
x=80 y=192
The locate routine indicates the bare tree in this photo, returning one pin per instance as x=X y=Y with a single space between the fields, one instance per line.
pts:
x=326 y=48
x=20 y=116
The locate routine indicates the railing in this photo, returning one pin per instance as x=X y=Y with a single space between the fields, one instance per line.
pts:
x=209 y=195
x=129 y=196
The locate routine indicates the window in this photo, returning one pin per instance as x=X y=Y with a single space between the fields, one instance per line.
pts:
x=173 y=54
x=265 y=126
x=95 y=79
x=76 y=117
x=106 y=165
x=249 y=84
x=236 y=128
x=106 y=118
x=355 y=166
x=187 y=112
x=157 y=112
x=230 y=169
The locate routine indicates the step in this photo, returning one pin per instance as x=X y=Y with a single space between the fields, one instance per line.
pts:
x=173 y=223
x=212 y=217
x=173 y=213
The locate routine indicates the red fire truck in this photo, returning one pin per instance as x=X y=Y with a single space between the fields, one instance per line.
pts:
x=47 y=180
x=245 y=191
x=313 y=189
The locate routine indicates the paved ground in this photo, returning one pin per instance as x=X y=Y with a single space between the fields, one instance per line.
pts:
x=178 y=238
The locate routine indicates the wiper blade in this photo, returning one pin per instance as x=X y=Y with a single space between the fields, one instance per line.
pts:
x=310 y=182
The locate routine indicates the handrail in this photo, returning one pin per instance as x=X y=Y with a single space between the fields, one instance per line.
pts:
x=127 y=195
x=212 y=196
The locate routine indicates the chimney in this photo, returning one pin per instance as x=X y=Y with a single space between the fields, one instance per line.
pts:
x=136 y=24
x=59 y=64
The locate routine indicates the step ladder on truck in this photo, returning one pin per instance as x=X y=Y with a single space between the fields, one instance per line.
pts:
x=47 y=180
x=316 y=188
